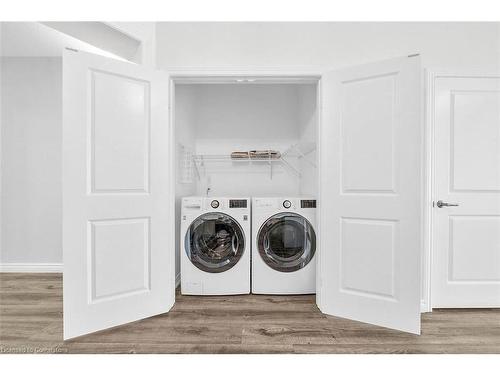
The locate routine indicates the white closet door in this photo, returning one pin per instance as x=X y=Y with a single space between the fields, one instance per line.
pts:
x=117 y=197
x=370 y=194
x=466 y=249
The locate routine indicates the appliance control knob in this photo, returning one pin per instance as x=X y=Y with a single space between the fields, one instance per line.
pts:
x=214 y=204
x=287 y=204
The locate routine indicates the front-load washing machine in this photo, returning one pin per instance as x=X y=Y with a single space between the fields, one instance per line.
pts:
x=283 y=246
x=215 y=246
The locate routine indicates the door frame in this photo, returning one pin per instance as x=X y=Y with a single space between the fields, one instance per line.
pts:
x=218 y=75
x=431 y=75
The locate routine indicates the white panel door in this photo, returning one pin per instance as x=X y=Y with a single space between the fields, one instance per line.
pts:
x=117 y=197
x=370 y=194
x=466 y=247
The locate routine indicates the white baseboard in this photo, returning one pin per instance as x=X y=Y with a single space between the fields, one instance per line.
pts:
x=177 y=280
x=32 y=267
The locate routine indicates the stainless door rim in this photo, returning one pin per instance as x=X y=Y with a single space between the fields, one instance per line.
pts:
x=296 y=261
x=203 y=254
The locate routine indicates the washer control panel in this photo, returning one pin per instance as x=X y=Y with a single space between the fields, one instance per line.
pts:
x=238 y=203
x=308 y=203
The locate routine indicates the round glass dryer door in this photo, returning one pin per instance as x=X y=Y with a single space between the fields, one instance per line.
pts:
x=286 y=242
x=214 y=242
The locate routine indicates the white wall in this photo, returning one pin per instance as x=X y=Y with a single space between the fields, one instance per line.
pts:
x=145 y=32
x=185 y=136
x=246 y=117
x=307 y=116
x=134 y=41
x=331 y=45
x=101 y=35
x=31 y=160
x=242 y=117
x=34 y=39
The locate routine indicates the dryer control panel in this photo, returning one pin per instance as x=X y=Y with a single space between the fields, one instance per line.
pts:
x=285 y=204
x=264 y=202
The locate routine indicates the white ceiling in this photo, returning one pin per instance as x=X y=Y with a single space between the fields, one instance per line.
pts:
x=35 y=39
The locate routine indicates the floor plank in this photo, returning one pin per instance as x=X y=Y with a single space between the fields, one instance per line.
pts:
x=31 y=322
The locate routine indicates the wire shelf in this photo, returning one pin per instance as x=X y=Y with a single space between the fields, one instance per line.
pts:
x=299 y=151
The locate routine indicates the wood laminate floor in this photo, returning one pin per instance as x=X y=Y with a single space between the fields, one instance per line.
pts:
x=31 y=321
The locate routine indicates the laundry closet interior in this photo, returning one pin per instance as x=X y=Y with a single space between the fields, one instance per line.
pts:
x=215 y=117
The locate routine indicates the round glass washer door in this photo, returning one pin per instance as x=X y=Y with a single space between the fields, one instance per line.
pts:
x=286 y=242
x=214 y=242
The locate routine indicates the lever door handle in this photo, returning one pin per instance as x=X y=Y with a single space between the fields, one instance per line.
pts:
x=441 y=204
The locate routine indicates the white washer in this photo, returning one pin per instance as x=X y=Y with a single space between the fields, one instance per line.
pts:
x=283 y=246
x=215 y=246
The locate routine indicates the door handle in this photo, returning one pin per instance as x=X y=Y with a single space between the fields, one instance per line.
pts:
x=441 y=204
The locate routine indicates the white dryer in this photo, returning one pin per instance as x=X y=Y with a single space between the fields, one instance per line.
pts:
x=283 y=246
x=215 y=246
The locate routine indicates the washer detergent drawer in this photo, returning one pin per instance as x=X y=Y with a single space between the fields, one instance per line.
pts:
x=192 y=204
